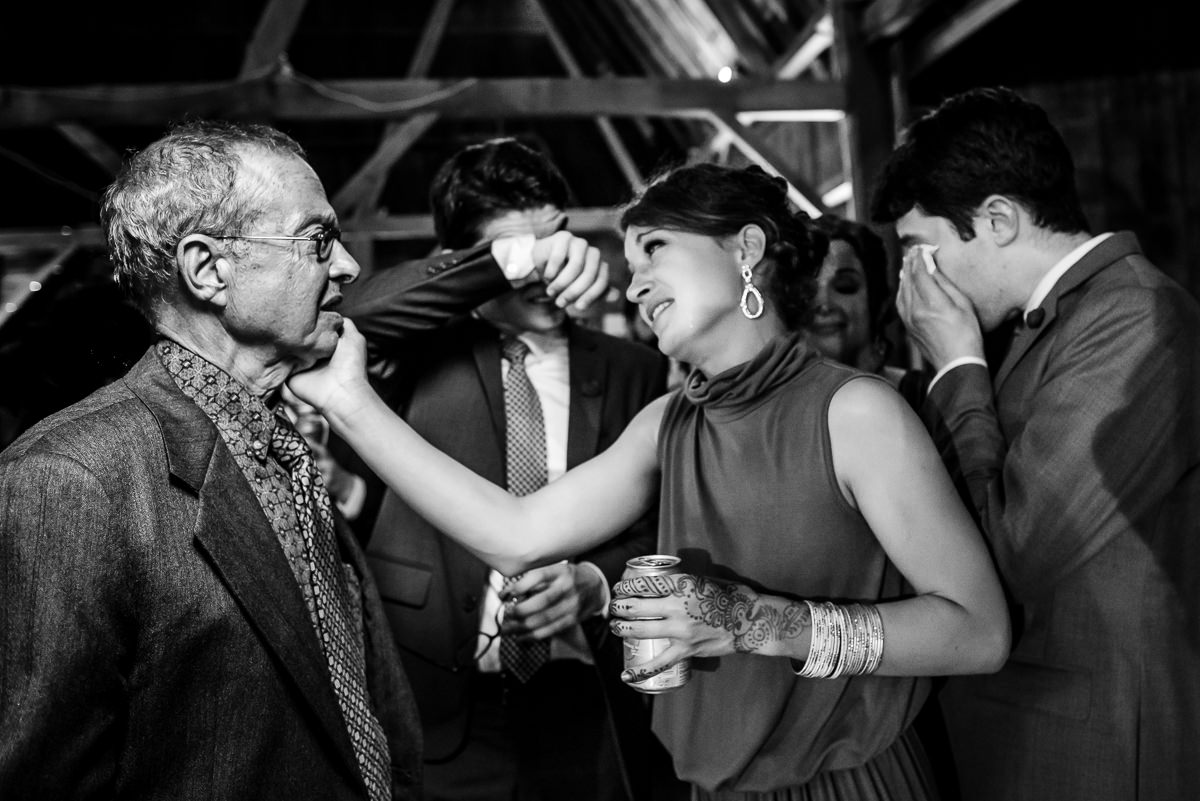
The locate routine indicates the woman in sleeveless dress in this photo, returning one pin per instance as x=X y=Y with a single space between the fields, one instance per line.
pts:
x=827 y=562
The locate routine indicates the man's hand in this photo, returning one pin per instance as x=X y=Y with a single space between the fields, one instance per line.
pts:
x=552 y=599
x=571 y=269
x=936 y=314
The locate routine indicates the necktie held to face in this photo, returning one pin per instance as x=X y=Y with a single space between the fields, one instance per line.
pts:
x=525 y=458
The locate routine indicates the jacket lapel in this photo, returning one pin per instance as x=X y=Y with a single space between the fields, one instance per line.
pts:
x=588 y=375
x=1116 y=247
x=233 y=532
x=487 y=361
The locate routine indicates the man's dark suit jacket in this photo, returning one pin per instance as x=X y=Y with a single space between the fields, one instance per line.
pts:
x=450 y=391
x=153 y=640
x=1083 y=464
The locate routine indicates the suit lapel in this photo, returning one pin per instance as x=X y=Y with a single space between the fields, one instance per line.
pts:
x=1116 y=247
x=487 y=362
x=233 y=532
x=588 y=371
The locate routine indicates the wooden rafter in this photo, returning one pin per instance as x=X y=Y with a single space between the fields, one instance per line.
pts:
x=867 y=131
x=755 y=148
x=814 y=39
x=887 y=19
x=288 y=98
x=92 y=146
x=950 y=35
x=64 y=249
x=746 y=37
x=359 y=196
x=431 y=39
x=608 y=132
x=272 y=35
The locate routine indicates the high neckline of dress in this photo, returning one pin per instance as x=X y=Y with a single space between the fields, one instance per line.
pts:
x=744 y=386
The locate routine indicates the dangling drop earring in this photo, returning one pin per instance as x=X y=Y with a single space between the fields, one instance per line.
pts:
x=750 y=290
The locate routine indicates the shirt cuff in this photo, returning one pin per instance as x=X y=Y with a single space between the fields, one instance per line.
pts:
x=514 y=254
x=605 y=591
x=959 y=362
x=352 y=505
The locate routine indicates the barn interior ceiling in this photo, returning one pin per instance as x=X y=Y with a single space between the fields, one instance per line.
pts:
x=380 y=93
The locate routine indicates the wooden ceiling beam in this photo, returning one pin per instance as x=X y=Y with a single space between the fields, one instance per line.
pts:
x=272 y=35
x=867 y=132
x=954 y=32
x=814 y=39
x=359 y=196
x=289 y=98
x=95 y=148
x=360 y=193
x=431 y=38
x=757 y=150
x=888 y=19
x=743 y=32
x=608 y=132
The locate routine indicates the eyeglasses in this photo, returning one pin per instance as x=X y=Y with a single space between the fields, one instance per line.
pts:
x=324 y=237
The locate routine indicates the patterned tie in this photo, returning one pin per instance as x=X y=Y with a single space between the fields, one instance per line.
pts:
x=525 y=452
x=339 y=629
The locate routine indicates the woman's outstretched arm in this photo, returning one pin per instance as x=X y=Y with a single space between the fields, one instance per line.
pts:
x=955 y=621
x=583 y=508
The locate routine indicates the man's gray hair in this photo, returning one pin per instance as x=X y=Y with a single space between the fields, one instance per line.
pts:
x=182 y=184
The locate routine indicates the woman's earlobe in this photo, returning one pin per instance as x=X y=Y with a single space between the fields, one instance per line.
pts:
x=752 y=241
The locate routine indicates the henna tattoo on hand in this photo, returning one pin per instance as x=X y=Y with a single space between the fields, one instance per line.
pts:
x=735 y=608
x=643 y=587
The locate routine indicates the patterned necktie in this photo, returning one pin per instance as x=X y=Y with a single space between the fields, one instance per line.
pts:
x=525 y=454
x=339 y=630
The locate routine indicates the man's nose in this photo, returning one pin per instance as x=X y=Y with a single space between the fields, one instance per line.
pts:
x=342 y=268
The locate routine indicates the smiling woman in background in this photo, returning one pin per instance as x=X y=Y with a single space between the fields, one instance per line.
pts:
x=853 y=305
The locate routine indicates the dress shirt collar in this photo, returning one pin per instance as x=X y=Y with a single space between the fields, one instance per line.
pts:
x=244 y=420
x=544 y=344
x=1059 y=270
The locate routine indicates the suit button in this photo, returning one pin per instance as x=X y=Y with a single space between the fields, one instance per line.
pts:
x=470 y=603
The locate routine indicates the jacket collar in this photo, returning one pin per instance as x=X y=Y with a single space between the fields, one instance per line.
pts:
x=241 y=545
x=1119 y=246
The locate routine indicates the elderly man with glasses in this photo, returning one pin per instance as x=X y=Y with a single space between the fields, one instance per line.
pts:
x=182 y=614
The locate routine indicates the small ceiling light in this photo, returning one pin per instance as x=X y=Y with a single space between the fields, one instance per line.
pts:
x=725 y=74
x=34 y=286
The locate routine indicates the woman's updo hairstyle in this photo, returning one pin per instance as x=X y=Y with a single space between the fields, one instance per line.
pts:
x=717 y=201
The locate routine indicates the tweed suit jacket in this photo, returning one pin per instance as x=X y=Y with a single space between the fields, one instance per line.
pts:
x=153 y=640
x=1082 y=462
x=450 y=391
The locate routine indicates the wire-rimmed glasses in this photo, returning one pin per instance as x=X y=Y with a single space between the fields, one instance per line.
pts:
x=324 y=236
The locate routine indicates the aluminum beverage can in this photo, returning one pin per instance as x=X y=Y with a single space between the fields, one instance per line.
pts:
x=638 y=652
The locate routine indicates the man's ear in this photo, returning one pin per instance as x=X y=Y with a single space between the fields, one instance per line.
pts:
x=751 y=244
x=1001 y=219
x=203 y=269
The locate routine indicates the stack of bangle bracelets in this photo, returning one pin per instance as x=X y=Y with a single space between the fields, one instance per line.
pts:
x=847 y=640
